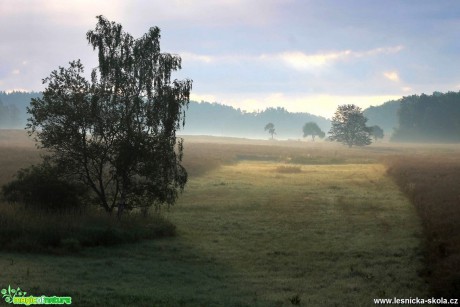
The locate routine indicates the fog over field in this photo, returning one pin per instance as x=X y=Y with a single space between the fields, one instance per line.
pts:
x=230 y=153
x=426 y=118
x=262 y=223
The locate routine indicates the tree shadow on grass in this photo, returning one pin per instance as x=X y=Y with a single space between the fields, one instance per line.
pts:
x=165 y=272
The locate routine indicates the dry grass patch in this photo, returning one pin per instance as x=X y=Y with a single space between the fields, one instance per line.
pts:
x=34 y=231
x=433 y=185
x=283 y=169
x=204 y=154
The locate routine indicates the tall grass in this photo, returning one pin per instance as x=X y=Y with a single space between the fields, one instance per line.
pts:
x=331 y=235
x=251 y=231
x=27 y=230
x=433 y=185
x=66 y=232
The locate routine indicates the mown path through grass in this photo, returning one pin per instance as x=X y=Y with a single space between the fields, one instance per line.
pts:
x=331 y=235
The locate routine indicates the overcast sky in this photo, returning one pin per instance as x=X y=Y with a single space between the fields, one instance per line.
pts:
x=304 y=55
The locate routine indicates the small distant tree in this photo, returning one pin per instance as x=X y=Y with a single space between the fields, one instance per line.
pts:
x=314 y=130
x=270 y=127
x=349 y=126
x=376 y=132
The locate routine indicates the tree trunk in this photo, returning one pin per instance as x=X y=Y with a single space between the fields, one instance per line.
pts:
x=121 y=204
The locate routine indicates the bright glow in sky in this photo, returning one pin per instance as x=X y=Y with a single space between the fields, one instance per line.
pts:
x=304 y=55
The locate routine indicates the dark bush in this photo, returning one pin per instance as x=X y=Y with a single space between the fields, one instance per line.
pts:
x=67 y=233
x=42 y=187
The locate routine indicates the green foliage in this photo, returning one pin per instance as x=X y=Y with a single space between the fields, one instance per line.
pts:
x=429 y=118
x=376 y=132
x=117 y=132
x=349 y=126
x=43 y=187
x=67 y=232
x=385 y=115
x=270 y=127
x=311 y=128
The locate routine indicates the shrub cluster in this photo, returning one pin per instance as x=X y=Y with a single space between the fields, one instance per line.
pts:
x=47 y=212
x=69 y=232
x=42 y=187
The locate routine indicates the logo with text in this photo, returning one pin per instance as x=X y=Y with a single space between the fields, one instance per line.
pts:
x=18 y=297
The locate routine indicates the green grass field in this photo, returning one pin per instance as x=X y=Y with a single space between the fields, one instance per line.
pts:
x=256 y=229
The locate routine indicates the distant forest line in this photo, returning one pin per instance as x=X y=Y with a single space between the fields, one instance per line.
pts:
x=416 y=118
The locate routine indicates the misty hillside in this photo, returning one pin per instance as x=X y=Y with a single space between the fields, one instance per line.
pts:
x=429 y=118
x=201 y=118
x=421 y=118
x=221 y=120
x=13 y=112
x=206 y=118
x=385 y=116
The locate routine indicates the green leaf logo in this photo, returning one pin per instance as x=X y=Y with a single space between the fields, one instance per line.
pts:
x=10 y=293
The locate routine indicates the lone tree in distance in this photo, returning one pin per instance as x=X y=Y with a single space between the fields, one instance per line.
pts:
x=270 y=127
x=311 y=128
x=349 y=126
x=116 y=133
x=376 y=132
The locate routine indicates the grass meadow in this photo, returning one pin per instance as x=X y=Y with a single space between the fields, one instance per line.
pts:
x=269 y=223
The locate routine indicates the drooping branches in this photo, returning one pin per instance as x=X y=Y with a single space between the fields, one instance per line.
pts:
x=117 y=132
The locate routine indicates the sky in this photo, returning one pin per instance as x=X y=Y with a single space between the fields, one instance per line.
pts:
x=303 y=55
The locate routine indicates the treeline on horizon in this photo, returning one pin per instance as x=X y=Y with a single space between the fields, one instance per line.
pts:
x=429 y=118
x=416 y=118
x=221 y=120
x=13 y=108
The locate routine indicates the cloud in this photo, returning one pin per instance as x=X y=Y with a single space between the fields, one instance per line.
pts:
x=204 y=12
x=193 y=57
x=75 y=13
x=407 y=89
x=392 y=76
x=301 y=61
x=376 y=51
x=293 y=59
